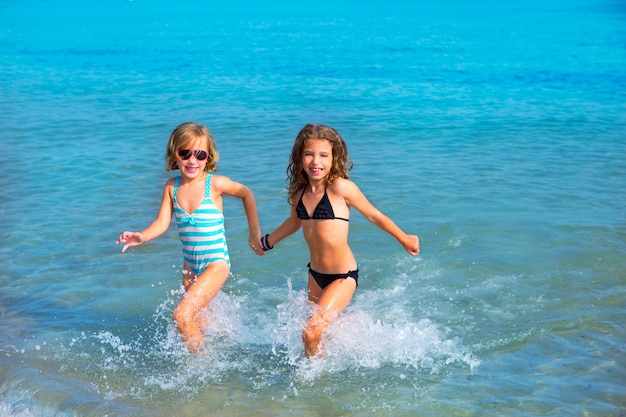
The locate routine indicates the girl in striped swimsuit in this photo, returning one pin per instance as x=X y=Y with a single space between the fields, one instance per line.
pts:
x=195 y=199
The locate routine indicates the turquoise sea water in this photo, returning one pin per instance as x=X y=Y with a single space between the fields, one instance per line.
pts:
x=494 y=130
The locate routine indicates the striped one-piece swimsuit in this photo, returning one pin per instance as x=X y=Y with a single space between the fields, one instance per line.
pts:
x=201 y=232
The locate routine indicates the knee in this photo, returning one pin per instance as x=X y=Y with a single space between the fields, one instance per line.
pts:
x=182 y=316
x=312 y=339
x=312 y=335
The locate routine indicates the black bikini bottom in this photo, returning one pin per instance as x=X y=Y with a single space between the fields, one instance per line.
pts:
x=324 y=280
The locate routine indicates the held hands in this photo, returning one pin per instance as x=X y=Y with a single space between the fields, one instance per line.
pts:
x=130 y=239
x=255 y=243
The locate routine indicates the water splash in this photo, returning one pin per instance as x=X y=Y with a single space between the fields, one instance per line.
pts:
x=254 y=349
x=356 y=341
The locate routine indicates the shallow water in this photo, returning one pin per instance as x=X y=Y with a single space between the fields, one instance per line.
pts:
x=495 y=131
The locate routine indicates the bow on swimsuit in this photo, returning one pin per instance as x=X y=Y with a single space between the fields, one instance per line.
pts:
x=324 y=210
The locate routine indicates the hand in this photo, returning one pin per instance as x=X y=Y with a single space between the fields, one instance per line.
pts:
x=255 y=243
x=130 y=239
x=412 y=244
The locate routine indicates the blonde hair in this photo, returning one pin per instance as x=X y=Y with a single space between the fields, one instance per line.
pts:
x=341 y=164
x=184 y=134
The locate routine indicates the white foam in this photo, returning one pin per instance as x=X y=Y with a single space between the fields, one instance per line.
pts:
x=248 y=337
x=359 y=340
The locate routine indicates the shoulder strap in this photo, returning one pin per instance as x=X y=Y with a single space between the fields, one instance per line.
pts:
x=207 y=186
x=176 y=186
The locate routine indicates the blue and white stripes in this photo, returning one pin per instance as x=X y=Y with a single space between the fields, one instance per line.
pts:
x=201 y=232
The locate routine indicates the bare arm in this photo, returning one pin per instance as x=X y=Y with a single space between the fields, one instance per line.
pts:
x=287 y=228
x=158 y=226
x=355 y=198
x=229 y=187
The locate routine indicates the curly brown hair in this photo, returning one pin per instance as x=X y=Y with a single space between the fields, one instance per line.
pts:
x=184 y=134
x=295 y=171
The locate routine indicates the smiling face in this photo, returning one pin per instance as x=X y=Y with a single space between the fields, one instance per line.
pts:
x=326 y=158
x=317 y=159
x=192 y=167
x=191 y=136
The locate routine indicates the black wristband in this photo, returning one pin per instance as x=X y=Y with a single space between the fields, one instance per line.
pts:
x=265 y=243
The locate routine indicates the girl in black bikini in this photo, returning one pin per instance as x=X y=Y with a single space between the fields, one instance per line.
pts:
x=318 y=178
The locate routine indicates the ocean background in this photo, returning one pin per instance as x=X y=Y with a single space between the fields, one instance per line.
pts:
x=494 y=130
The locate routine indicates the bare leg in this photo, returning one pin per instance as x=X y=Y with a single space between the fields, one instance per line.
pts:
x=188 y=279
x=331 y=300
x=198 y=294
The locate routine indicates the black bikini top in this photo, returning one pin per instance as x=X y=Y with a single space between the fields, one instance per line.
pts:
x=324 y=209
